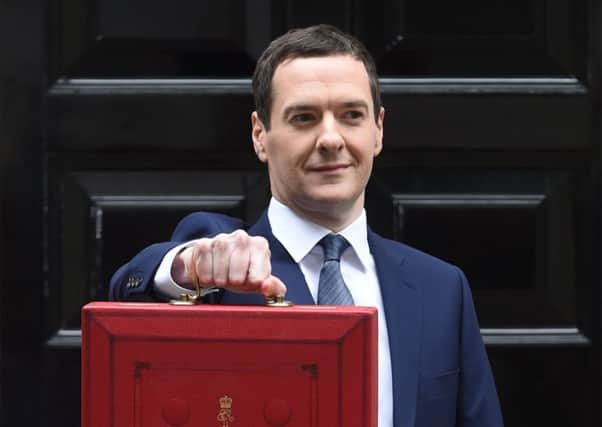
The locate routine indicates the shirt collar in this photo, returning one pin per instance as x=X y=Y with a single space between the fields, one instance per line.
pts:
x=299 y=236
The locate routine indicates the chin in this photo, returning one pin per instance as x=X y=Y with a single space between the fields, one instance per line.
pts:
x=337 y=199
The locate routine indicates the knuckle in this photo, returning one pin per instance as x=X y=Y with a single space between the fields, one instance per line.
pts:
x=239 y=233
x=237 y=281
x=240 y=239
x=202 y=247
x=220 y=281
x=220 y=244
x=205 y=279
x=261 y=243
x=254 y=281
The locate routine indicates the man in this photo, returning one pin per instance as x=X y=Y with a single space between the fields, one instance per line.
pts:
x=318 y=126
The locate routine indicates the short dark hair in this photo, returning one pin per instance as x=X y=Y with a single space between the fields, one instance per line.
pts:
x=314 y=41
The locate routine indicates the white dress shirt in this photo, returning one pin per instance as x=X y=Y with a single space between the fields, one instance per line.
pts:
x=300 y=237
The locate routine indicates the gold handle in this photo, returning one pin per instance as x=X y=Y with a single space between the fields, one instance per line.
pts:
x=187 y=299
x=274 y=301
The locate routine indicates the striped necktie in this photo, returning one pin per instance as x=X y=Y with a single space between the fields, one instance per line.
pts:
x=331 y=287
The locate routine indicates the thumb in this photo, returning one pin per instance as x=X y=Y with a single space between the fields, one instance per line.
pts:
x=272 y=286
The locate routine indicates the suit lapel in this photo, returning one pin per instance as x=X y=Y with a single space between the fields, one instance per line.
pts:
x=402 y=303
x=403 y=310
x=283 y=265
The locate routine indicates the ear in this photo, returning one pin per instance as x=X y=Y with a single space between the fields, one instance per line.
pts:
x=378 y=146
x=258 y=134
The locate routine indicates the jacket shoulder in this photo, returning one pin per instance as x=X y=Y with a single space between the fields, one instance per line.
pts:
x=417 y=261
x=204 y=224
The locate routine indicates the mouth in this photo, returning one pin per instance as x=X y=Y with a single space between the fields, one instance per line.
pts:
x=329 y=168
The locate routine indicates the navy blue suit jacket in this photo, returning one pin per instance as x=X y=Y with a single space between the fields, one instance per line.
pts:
x=441 y=374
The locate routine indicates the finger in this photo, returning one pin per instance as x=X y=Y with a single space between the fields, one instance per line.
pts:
x=239 y=258
x=188 y=258
x=260 y=265
x=202 y=261
x=221 y=259
x=273 y=287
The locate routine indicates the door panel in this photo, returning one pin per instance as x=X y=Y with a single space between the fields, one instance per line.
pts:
x=132 y=114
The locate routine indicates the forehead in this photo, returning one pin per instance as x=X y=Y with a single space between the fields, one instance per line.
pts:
x=318 y=79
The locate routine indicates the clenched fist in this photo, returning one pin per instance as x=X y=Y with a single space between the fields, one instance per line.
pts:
x=236 y=261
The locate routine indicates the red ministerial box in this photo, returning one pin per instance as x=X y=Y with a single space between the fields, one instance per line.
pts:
x=147 y=365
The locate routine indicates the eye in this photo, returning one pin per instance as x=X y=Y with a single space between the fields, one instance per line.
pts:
x=302 y=118
x=354 y=115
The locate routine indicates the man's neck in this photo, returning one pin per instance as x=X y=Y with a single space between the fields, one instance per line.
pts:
x=336 y=218
x=299 y=235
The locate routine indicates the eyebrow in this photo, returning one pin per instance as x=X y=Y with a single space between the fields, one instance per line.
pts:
x=308 y=107
x=356 y=104
x=296 y=108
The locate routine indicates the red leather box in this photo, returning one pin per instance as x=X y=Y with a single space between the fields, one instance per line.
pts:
x=146 y=364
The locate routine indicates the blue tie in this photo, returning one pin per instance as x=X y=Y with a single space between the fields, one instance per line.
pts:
x=331 y=287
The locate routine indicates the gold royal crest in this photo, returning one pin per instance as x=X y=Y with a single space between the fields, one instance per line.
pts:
x=225 y=412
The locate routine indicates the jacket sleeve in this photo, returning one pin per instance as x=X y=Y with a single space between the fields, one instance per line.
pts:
x=134 y=280
x=478 y=403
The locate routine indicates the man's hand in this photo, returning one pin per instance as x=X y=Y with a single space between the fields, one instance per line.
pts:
x=236 y=261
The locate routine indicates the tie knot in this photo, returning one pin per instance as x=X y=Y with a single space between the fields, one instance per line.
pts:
x=333 y=245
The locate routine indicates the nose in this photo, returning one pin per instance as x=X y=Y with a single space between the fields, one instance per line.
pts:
x=330 y=138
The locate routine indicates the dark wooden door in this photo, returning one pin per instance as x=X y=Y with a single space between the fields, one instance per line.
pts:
x=118 y=118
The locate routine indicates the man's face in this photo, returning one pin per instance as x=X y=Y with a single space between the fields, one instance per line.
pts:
x=322 y=139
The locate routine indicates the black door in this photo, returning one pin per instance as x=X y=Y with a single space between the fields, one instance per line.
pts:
x=118 y=118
